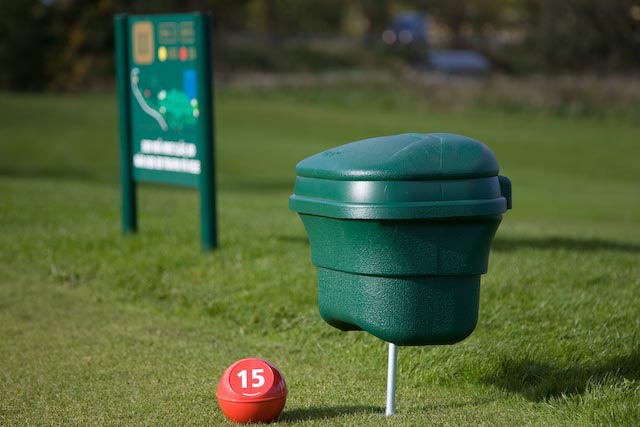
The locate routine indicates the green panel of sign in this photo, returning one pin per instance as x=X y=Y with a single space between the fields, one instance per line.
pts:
x=165 y=74
x=165 y=100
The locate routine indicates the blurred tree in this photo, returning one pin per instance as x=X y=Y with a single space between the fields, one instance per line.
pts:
x=583 y=34
x=68 y=44
x=378 y=13
x=354 y=21
x=228 y=15
x=81 y=38
x=305 y=16
x=466 y=19
x=23 y=44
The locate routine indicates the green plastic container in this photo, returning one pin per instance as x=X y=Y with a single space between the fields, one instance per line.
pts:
x=400 y=229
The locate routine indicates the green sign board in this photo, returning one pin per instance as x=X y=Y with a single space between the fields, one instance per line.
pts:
x=163 y=65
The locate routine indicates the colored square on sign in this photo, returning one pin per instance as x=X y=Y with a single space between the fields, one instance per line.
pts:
x=143 y=45
x=167 y=32
x=190 y=83
x=162 y=53
x=187 y=32
x=184 y=53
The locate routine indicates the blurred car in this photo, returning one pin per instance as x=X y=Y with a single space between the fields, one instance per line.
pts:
x=458 y=61
x=406 y=28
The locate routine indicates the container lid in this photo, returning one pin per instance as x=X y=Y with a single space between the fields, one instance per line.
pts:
x=406 y=157
x=402 y=176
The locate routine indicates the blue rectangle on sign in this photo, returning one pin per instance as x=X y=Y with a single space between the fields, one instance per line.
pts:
x=190 y=83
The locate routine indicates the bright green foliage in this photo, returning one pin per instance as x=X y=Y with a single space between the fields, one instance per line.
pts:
x=178 y=109
x=100 y=329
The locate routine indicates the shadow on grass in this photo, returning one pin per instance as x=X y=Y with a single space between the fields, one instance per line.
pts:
x=431 y=406
x=567 y=243
x=308 y=414
x=509 y=244
x=540 y=381
x=66 y=172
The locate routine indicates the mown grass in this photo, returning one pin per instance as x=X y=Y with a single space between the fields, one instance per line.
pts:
x=96 y=328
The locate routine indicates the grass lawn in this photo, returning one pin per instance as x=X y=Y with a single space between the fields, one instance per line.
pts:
x=100 y=329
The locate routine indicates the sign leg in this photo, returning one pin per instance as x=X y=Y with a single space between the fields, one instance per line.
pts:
x=128 y=186
x=391 y=379
x=208 y=220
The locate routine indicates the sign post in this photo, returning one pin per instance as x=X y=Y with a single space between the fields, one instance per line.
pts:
x=163 y=68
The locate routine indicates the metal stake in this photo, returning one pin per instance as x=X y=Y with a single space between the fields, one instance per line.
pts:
x=391 y=379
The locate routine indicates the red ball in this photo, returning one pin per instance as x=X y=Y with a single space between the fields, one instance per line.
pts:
x=251 y=391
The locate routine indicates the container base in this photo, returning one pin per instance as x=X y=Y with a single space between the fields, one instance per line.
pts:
x=406 y=310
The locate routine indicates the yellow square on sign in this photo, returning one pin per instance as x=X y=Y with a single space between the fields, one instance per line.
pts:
x=143 y=49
